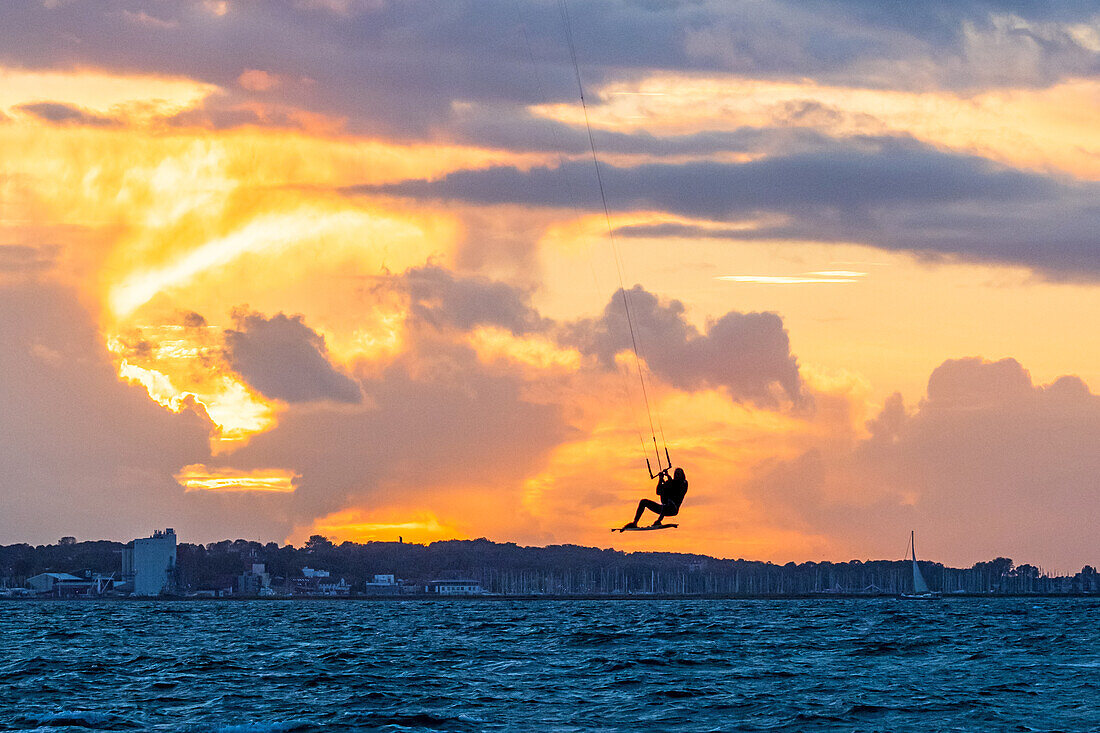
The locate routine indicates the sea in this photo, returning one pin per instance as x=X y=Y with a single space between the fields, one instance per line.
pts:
x=960 y=664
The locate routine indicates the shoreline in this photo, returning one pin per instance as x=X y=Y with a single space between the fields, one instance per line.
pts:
x=421 y=597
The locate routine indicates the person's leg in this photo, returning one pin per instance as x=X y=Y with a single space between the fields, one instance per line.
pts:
x=642 y=506
x=666 y=510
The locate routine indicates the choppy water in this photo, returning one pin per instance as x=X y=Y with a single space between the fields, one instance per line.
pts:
x=866 y=665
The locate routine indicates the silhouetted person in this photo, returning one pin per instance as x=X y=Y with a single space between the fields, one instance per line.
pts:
x=671 y=491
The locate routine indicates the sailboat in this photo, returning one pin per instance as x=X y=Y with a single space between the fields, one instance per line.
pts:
x=921 y=592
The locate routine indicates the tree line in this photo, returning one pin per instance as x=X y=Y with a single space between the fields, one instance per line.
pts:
x=507 y=568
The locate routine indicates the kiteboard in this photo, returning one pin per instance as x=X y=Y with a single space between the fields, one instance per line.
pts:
x=644 y=529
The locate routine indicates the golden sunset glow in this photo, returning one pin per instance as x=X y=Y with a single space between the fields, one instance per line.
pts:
x=784 y=279
x=265 y=235
x=137 y=97
x=198 y=477
x=359 y=526
x=540 y=353
x=381 y=293
x=236 y=412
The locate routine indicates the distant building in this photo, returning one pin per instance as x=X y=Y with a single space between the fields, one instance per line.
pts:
x=150 y=563
x=382 y=585
x=64 y=584
x=255 y=582
x=454 y=587
x=339 y=587
x=320 y=583
x=52 y=582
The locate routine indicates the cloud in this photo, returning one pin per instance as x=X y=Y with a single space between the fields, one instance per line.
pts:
x=286 y=360
x=191 y=319
x=65 y=114
x=886 y=192
x=145 y=19
x=988 y=463
x=198 y=477
x=439 y=298
x=82 y=450
x=747 y=354
x=257 y=80
x=846 y=179
x=407 y=69
x=805 y=279
x=518 y=129
x=438 y=421
x=927 y=44
x=17 y=258
x=435 y=419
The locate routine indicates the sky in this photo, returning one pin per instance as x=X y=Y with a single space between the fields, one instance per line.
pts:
x=280 y=268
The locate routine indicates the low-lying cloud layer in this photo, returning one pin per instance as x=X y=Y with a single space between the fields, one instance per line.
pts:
x=987 y=463
x=80 y=447
x=433 y=420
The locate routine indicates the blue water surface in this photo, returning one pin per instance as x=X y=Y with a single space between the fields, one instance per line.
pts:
x=693 y=665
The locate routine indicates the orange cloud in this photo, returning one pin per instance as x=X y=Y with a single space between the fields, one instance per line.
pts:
x=257 y=80
x=198 y=477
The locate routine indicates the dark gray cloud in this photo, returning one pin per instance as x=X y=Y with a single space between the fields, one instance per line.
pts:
x=508 y=127
x=286 y=360
x=399 y=68
x=885 y=192
x=82 y=452
x=65 y=114
x=439 y=298
x=847 y=178
x=988 y=464
x=747 y=354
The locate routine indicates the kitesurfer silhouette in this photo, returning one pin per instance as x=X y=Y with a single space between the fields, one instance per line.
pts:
x=671 y=491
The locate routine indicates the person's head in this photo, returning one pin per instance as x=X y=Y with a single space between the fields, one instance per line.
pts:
x=679 y=474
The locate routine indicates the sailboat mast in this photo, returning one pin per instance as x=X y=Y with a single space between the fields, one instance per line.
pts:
x=919 y=585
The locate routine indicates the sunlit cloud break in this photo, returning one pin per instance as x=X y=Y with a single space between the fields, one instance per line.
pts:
x=198 y=477
x=263 y=234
